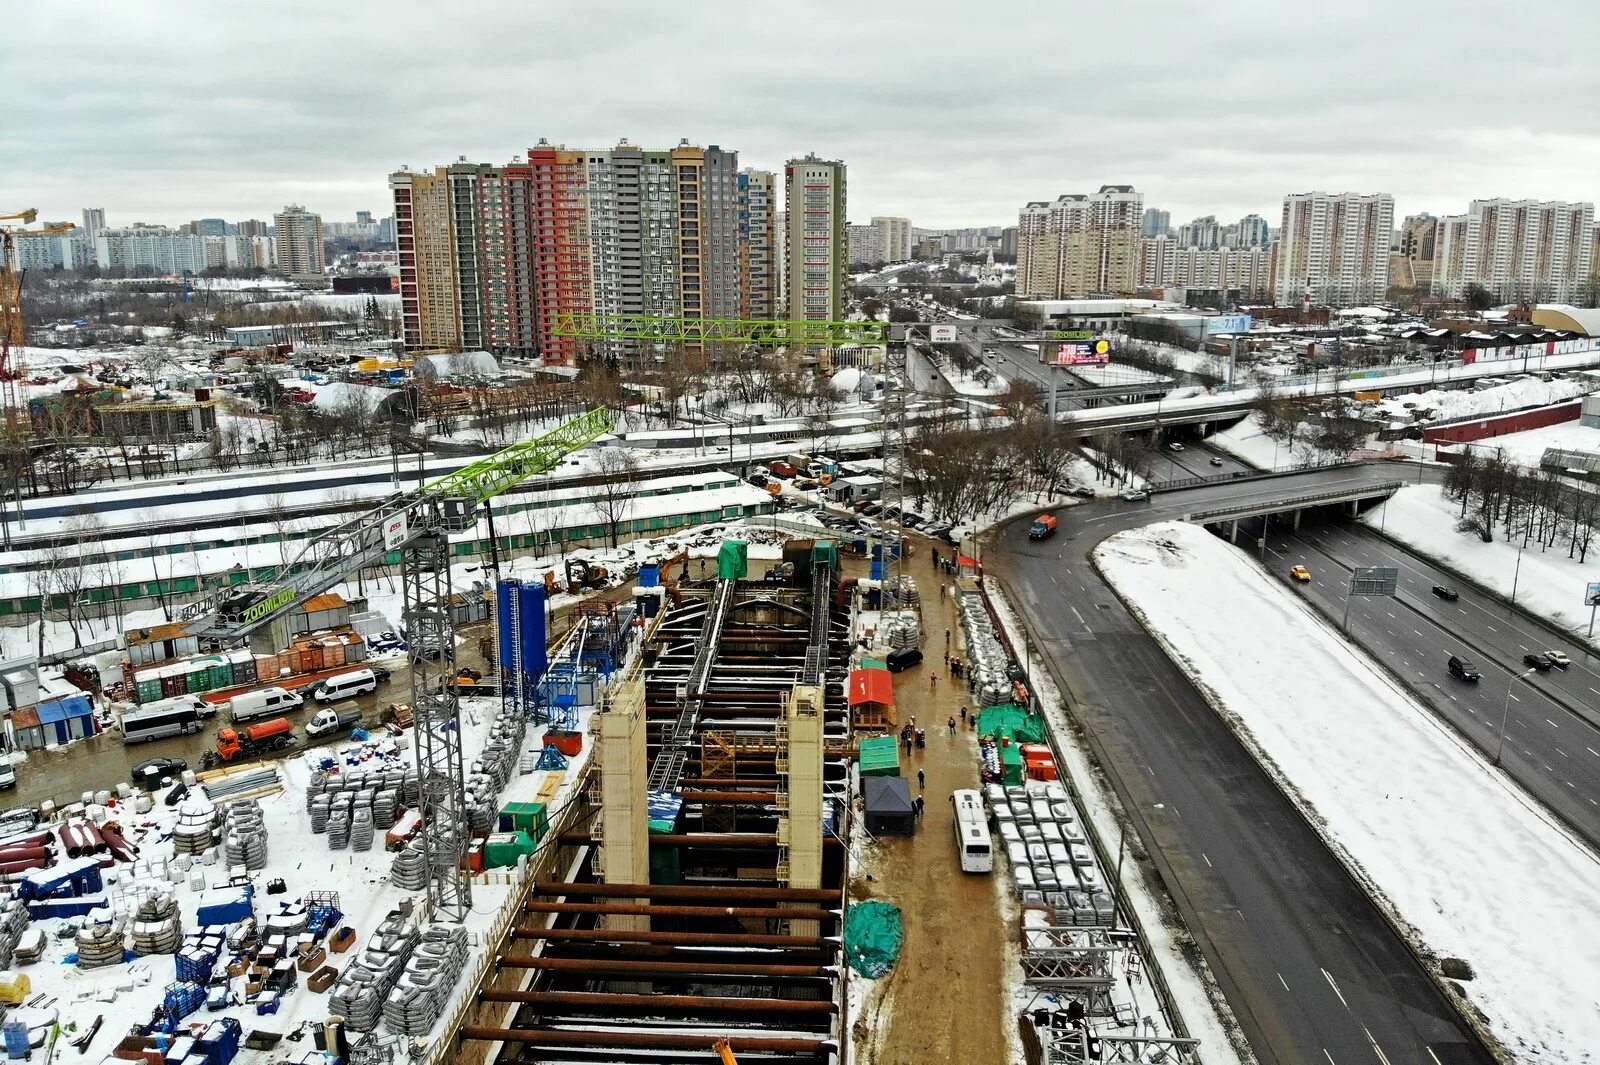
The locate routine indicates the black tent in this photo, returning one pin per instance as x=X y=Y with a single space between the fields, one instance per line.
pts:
x=889 y=809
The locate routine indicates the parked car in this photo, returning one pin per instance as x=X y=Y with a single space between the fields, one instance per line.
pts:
x=156 y=768
x=1536 y=660
x=1463 y=669
x=805 y=484
x=1300 y=573
x=1446 y=592
x=1082 y=491
x=871 y=509
x=911 y=519
x=1558 y=659
x=861 y=505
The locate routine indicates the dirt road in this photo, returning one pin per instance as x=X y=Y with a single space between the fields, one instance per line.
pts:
x=945 y=1000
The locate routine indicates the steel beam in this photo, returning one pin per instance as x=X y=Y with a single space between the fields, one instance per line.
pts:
x=651 y=1003
x=790 y=913
x=682 y=939
x=629 y=967
x=690 y=892
x=642 y=1040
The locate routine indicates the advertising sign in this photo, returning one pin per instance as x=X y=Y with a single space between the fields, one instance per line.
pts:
x=394 y=532
x=1591 y=595
x=1081 y=353
x=1228 y=323
x=1069 y=334
x=942 y=334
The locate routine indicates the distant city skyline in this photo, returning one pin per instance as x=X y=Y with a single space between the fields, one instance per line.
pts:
x=167 y=120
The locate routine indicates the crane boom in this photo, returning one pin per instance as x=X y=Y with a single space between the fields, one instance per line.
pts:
x=447 y=503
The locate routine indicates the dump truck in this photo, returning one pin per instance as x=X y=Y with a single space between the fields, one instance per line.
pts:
x=254 y=741
x=1043 y=527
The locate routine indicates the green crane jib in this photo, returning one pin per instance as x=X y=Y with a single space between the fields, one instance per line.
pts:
x=719 y=330
x=449 y=503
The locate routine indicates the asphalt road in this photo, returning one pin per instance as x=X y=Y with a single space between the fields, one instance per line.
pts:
x=1552 y=719
x=1313 y=971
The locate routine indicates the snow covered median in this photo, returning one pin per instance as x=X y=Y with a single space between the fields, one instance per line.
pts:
x=1446 y=844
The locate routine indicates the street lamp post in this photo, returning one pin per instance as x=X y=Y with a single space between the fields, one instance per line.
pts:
x=1505 y=714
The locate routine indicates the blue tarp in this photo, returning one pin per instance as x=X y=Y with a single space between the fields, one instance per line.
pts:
x=53 y=710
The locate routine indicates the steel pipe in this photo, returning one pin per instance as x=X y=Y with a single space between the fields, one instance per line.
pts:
x=690 y=892
x=631 y=967
x=583 y=999
x=785 y=913
x=641 y=1040
x=687 y=939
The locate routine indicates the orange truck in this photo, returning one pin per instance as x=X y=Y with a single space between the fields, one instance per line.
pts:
x=271 y=735
x=1043 y=526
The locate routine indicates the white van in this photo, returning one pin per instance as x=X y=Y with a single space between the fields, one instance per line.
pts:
x=263 y=702
x=8 y=774
x=346 y=686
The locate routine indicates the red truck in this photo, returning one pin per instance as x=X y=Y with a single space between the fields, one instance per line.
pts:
x=782 y=469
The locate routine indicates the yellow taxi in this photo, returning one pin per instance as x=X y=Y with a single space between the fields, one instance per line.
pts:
x=1300 y=573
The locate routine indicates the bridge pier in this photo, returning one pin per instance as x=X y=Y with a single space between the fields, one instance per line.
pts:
x=1297 y=514
x=1233 y=531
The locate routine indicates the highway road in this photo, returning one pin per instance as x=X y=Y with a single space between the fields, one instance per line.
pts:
x=1313 y=971
x=1552 y=720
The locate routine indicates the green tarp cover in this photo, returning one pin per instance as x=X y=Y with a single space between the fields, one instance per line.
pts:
x=824 y=553
x=874 y=663
x=502 y=849
x=1011 y=765
x=879 y=757
x=872 y=937
x=529 y=817
x=665 y=866
x=732 y=560
x=1012 y=722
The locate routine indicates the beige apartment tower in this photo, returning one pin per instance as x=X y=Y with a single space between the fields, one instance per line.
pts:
x=299 y=236
x=814 y=199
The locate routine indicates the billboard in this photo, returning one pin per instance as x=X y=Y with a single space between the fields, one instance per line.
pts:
x=942 y=334
x=1228 y=323
x=1069 y=334
x=394 y=531
x=1078 y=353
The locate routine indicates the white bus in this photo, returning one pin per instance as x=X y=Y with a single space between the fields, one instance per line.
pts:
x=972 y=832
x=176 y=716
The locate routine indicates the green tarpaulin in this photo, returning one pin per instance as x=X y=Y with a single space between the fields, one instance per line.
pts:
x=732 y=560
x=1010 y=722
x=872 y=937
x=879 y=757
x=1011 y=765
x=529 y=817
x=823 y=553
x=502 y=849
x=874 y=663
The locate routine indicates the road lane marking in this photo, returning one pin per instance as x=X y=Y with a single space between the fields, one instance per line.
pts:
x=1336 y=991
x=1491 y=628
x=1284 y=982
x=1432 y=1055
x=1562 y=753
x=1382 y=1057
x=1552 y=724
x=1328 y=1056
x=1208 y=860
x=1592 y=751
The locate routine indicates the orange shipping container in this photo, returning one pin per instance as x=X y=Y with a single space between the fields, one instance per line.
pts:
x=333 y=656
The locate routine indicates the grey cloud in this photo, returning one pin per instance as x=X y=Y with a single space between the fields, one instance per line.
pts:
x=953 y=113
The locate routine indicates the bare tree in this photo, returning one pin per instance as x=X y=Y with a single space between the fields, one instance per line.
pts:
x=619 y=475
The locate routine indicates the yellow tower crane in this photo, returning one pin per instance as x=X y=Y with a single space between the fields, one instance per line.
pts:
x=11 y=331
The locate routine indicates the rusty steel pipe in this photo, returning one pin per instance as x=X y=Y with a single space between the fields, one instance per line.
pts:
x=686 y=939
x=683 y=891
x=582 y=999
x=787 y=913
x=640 y=1040
x=630 y=967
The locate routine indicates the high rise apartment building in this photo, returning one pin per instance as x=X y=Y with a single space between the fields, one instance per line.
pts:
x=1519 y=250
x=1251 y=231
x=814 y=198
x=497 y=257
x=780 y=260
x=1245 y=270
x=1080 y=244
x=94 y=223
x=758 y=227
x=866 y=245
x=1204 y=232
x=299 y=235
x=894 y=237
x=1333 y=248
x=1155 y=223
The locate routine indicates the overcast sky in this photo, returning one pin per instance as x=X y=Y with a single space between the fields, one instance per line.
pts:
x=953 y=114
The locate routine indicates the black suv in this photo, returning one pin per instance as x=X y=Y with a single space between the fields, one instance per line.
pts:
x=1464 y=669
x=1537 y=661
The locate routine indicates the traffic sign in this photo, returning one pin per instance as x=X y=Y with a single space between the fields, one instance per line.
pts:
x=1374 y=580
x=1591 y=595
x=942 y=334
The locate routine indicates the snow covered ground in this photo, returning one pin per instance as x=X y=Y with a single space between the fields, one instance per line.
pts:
x=126 y=994
x=1452 y=849
x=1527 y=448
x=1548 y=583
x=1493 y=398
x=1247 y=442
